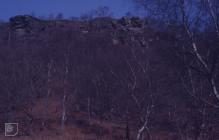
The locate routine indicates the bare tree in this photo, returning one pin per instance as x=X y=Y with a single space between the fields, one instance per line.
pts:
x=147 y=107
x=195 y=49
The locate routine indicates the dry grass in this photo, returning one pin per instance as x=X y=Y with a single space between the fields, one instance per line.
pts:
x=77 y=126
x=65 y=136
x=72 y=132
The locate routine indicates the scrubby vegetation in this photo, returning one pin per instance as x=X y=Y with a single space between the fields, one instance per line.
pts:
x=106 y=78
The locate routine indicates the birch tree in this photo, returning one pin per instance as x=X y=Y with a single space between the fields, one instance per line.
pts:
x=199 y=59
x=192 y=15
x=147 y=107
x=195 y=49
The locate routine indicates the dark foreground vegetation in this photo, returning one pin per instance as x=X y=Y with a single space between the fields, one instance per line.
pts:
x=106 y=78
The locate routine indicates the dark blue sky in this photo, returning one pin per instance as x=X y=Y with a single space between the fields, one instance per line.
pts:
x=69 y=8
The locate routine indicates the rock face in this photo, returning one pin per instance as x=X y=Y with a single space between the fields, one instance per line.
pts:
x=131 y=22
x=22 y=26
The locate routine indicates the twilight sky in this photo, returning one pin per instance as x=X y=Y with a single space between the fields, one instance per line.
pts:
x=69 y=8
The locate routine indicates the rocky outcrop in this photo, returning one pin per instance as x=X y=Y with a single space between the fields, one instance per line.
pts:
x=131 y=22
x=24 y=25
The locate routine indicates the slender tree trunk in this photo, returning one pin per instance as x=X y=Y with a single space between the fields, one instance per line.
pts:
x=63 y=119
x=63 y=113
x=89 y=108
x=144 y=127
x=49 y=75
x=141 y=131
x=127 y=135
